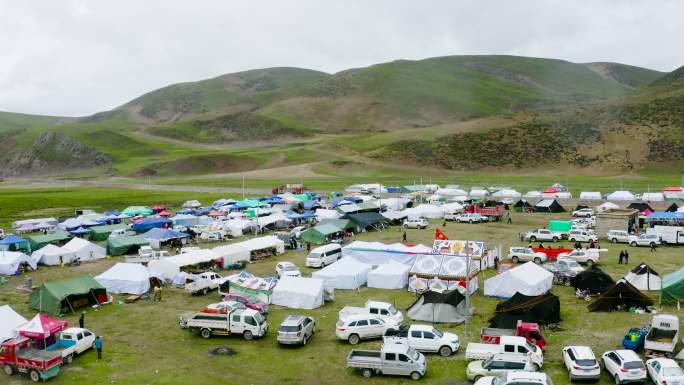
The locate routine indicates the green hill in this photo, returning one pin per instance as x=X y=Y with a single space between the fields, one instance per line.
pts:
x=674 y=78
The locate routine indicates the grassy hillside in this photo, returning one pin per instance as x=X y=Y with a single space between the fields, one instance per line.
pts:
x=10 y=121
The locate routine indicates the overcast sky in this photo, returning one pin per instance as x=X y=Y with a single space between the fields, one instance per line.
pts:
x=79 y=57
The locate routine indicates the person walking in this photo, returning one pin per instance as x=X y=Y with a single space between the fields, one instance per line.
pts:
x=509 y=218
x=653 y=247
x=98 y=346
x=308 y=247
x=81 y=320
x=626 y=257
x=403 y=238
x=621 y=257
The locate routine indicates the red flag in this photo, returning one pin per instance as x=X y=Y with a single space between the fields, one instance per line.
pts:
x=440 y=235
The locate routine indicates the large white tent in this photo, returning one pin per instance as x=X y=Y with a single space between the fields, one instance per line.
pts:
x=347 y=273
x=644 y=278
x=607 y=206
x=126 y=278
x=327 y=214
x=590 y=196
x=169 y=267
x=11 y=260
x=652 y=197
x=507 y=193
x=621 y=195
x=393 y=203
x=424 y=211
x=476 y=192
x=378 y=253
x=298 y=293
x=52 y=255
x=9 y=320
x=84 y=250
x=528 y=279
x=242 y=251
x=533 y=194
x=232 y=253
x=392 y=275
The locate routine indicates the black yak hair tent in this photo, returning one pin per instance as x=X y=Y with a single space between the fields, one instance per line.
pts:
x=543 y=309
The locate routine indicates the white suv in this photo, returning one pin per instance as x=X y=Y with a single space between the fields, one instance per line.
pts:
x=471 y=218
x=578 y=235
x=287 y=269
x=516 y=378
x=588 y=256
x=644 y=240
x=362 y=327
x=417 y=223
x=624 y=366
x=618 y=236
x=517 y=254
x=583 y=213
x=581 y=363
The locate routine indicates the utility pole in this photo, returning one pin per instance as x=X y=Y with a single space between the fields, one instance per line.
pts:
x=467 y=286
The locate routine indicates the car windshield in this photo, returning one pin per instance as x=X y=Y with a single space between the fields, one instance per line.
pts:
x=672 y=371
x=499 y=380
x=413 y=354
x=290 y=268
x=485 y=363
x=288 y=328
x=530 y=347
x=259 y=318
x=586 y=362
x=634 y=365
x=438 y=333
x=573 y=264
x=392 y=310
x=315 y=255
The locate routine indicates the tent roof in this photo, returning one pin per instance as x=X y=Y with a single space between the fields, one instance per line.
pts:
x=327 y=229
x=622 y=293
x=126 y=271
x=41 y=326
x=63 y=288
x=643 y=268
x=9 y=320
x=367 y=219
x=593 y=279
x=12 y=239
x=163 y=234
x=49 y=237
x=451 y=297
x=108 y=228
x=132 y=240
x=542 y=309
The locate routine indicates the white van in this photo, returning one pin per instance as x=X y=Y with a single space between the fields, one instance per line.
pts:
x=324 y=255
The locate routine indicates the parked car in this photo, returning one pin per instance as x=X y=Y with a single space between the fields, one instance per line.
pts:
x=561 y=274
x=507 y=344
x=324 y=255
x=582 y=213
x=250 y=301
x=664 y=371
x=624 y=366
x=72 y=342
x=204 y=282
x=588 y=256
x=578 y=235
x=393 y=359
x=250 y=323
x=355 y=328
x=287 y=269
x=296 y=329
x=516 y=377
x=644 y=240
x=416 y=223
x=497 y=364
x=517 y=254
x=528 y=330
x=424 y=338
x=451 y=216
x=569 y=264
x=581 y=363
x=542 y=235
x=382 y=310
x=618 y=236
x=471 y=218
x=19 y=356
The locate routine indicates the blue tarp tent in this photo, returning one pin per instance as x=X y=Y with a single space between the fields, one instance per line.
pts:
x=310 y=205
x=666 y=217
x=80 y=231
x=156 y=236
x=13 y=243
x=112 y=213
x=150 y=223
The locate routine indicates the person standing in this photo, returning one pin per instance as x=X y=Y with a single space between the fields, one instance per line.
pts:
x=403 y=238
x=81 y=320
x=509 y=218
x=621 y=257
x=98 y=346
x=308 y=247
x=653 y=247
x=626 y=257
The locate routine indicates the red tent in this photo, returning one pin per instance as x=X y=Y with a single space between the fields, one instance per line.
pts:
x=550 y=190
x=673 y=189
x=164 y=213
x=158 y=207
x=41 y=327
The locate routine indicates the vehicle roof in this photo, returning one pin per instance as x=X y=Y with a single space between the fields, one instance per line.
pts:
x=370 y=303
x=513 y=340
x=75 y=330
x=328 y=247
x=627 y=354
x=582 y=352
x=395 y=348
x=293 y=319
x=522 y=375
x=286 y=263
x=665 y=362
x=421 y=327
x=510 y=357
x=359 y=316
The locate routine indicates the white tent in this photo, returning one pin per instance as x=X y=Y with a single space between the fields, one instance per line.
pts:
x=126 y=278
x=242 y=251
x=192 y=204
x=644 y=278
x=9 y=320
x=621 y=195
x=451 y=192
x=378 y=253
x=533 y=194
x=478 y=193
x=394 y=215
x=264 y=243
x=52 y=255
x=507 y=193
x=652 y=197
x=347 y=273
x=11 y=260
x=298 y=293
x=557 y=195
x=393 y=203
x=528 y=279
x=169 y=267
x=393 y=275
x=606 y=207
x=84 y=250
x=74 y=223
x=424 y=211
x=238 y=227
x=277 y=218
x=452 y=207
x=327 y=214
x=233 y=253
x=590 y=196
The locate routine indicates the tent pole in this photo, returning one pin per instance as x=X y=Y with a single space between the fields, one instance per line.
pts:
x=467 y=296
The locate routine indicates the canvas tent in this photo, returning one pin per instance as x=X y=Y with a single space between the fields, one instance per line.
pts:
x=593 y=280
x=378 y=253
x=159 y=236
x=84 y=250
x=369 y=220
x=52 y=255
x=41 y=327
x=436 y=307
x=320 y=234
x=607 y=206
x=248 y=283
x=621 y=195
x=11 y=261
x=298 y=293
x=56 y=237
x=392 y=275
x=14 y=243
x=506 y=193
x=64 y=295
x=424 y=211
x=542 y=309
x=9 y=320
x=170 y=267
x=528 y=279
x=347 y=273
x=590 y=196
x=652 y=197
x=548 y=206
x=673 y=287
x=125 y=245
x=101 y=233
x=132 y=211
x=533 y=195
x=126 y=278
x=233 y=253
x=641 y=207
x=620 y=296
x=643 y=277
x=150 y=223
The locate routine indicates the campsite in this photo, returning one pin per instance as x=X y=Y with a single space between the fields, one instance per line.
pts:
x=128 y=328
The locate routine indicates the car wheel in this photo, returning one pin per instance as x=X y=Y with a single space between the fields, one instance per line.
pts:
x=8 y=369
x=533 y=239
x=415 y=376
x=313 y=329
x=633 y=244
x=590 y=262
x=515 y=259
x=554 y=239
x=537 y=260
x=617 y=379
x=304 y=340
x=406 y=226
x=205 y=333
x=367 y=373
x=247 y=335
x=34 y=375
x=566 y=282
x=69 y=359
x=614 y=240
x=572 y=239
x=470 y=221
x=445 y=351
x=205 y=291
x=353 y=339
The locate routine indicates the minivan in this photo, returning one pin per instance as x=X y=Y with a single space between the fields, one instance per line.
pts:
x=324 y=255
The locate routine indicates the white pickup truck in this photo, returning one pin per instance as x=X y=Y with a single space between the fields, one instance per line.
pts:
x=250 y=323
x=663 y=336
x=424 y=338
x=393 y=359
x=542 y=235
x=204 y=282
x=507 y=344
x=146 y=254
x=382 y=310
x=72 y=342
